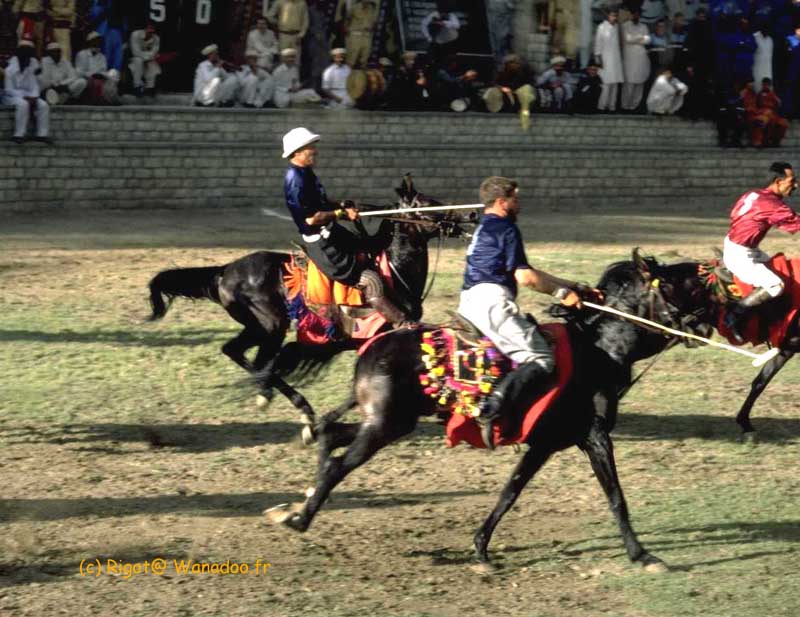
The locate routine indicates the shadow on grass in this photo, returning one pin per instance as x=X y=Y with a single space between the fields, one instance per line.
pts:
x=698 y=426
x=218 y=505
x=186 y=338
x=185 y=437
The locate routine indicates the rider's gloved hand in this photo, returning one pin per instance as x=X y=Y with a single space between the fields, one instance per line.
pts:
x=350 y=208
x=587 y=292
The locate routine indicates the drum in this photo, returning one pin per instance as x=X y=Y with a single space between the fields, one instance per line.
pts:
x=365 y=88
x=493 y=97
x=51 y=96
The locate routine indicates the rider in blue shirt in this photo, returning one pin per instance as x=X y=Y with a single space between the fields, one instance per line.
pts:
x=496 y=266
x=330 y=246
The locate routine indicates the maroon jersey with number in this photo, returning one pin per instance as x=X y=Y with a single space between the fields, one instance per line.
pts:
x=755 y=213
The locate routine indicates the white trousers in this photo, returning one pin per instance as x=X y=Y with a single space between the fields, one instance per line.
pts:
x=23 y=114
x=492 y=309
x=144 y=72
x=284 y=98
x=749 y=265
x=631 y=95
x=256 y=91
x=608 y=97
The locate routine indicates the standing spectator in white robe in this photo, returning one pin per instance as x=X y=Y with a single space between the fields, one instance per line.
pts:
x=145 y=45
x=762 y=62
x=666 y=94
x=21 y=89
x=256 y=86
x=635 y=36
x=263 y=42
x=213 y=85
x=334 y=81
x=288 y=89
x=609 y=58
x=91 y=65
x=59 y=80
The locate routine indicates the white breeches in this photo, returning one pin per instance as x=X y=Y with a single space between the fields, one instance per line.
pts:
x=492 y=310
x=144 y=71
x=23 y=114
x=749 y=265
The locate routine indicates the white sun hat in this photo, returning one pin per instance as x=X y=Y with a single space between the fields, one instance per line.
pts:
x=296 y=139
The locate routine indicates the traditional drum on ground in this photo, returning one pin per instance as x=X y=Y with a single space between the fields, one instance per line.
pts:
x=366 y=87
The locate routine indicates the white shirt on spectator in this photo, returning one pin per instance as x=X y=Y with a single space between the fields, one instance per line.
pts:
x=448 y=32
x=334 y=80
x=762 y=62
x=21 y=84
x=635 y=59
x=606 y=46
x=54 y=75
x=666 y=95
x=90 y=62
x=204 y=91
x=265 y=45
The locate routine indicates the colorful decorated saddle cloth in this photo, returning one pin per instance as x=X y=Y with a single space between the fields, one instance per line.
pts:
x=460 y=373
x=315 y=303
x=771 y=322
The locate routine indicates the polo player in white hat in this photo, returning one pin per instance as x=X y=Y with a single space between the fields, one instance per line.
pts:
x=333 y=248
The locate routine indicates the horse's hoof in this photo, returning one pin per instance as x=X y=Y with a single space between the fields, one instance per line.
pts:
x=654 y=565
x=750 y=438
x=484 y=568
x=280 y=514
x=310 y=492
x=308 y=436
x=262 y=402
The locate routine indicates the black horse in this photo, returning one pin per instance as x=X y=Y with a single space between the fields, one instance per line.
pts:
x=251 y=289
x=387 y=393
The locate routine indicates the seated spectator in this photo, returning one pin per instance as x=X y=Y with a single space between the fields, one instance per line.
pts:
x=334 y=81
x=262 y=41
x=59 y=81
x=772 y=127
x=666 y=95
x=409 y=90
x=213 y=85
x=145 y=69
x=454 y=88
x=256 y=86
x=587 y=92
x=731 y=119
x=288 y=89
x=512 y=90
x=91 y=65
x=21 y=89
x=554 y=87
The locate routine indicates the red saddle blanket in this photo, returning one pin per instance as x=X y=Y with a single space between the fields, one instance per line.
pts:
x=771 y=323
x=461 y=425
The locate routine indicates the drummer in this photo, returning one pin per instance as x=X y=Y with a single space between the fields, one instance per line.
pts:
x=334 y=81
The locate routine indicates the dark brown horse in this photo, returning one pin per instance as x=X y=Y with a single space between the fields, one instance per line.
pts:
x=387 y=393
x=251 y=290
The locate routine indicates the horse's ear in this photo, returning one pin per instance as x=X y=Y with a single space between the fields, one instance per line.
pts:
x=641 y=263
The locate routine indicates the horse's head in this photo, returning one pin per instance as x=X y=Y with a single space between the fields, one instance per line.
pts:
x=674 y=295
x=436 y=223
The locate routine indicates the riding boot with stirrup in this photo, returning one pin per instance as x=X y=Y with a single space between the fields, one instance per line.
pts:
x=525 y=380
x=372 y=286
x=736 y=319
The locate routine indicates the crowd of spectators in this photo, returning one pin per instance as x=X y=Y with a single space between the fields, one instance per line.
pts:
x=734 y=61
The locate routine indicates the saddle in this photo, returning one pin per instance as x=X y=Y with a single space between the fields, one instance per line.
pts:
x=769 y=322
x=325 y=310
x=459 y=373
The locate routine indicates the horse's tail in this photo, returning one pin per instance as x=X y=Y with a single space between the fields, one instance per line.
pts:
x=183 y=282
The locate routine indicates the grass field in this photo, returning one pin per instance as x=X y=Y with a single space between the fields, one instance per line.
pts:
x=133 y=441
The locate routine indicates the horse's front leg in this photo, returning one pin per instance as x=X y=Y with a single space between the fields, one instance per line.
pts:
x=600 y=450
x=307 y=415
x=527 y=467
x=765 y=375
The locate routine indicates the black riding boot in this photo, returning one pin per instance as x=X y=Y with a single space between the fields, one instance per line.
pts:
x=736 y=318
x=372 y=286
x=523 y=384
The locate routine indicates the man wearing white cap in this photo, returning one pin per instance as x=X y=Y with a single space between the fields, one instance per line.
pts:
x=554 y=85
x=21 y=89
x=330 y=246
x=213 y=85
x=145 y=69
x=256 y=86
x=91 y=65
x=59 y=80
x=334 y=81
x=262 y=41
x=288 y=90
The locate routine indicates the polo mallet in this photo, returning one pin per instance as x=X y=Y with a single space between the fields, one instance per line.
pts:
x=759 y=359
x=422 y=209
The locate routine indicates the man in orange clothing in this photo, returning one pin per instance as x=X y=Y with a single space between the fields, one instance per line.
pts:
x=769 y=104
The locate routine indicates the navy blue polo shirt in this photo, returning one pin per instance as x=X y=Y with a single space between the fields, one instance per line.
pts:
x=495 y=252
x=305 y=196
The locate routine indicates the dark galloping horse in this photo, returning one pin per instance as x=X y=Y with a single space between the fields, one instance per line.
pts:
x=387 y=393
x=251 y=290
x=691 y=296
